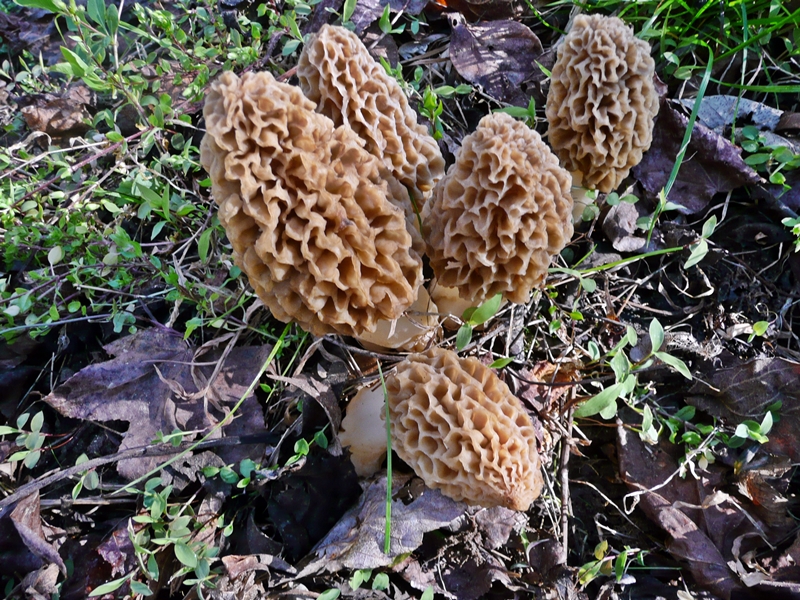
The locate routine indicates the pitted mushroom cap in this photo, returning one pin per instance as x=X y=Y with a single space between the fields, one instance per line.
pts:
x=337 y=72
x=500 y=214
x=462 y=430
x=306 y=209
x=602 y=101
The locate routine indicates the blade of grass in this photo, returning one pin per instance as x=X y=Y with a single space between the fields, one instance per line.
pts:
x=387 y=536
x=687 y=137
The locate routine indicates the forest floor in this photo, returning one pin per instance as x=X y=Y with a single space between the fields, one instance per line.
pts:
x=162 y=435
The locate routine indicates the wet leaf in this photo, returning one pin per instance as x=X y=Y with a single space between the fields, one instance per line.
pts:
x=716 y=165
x=717 y=112
x=498 y=55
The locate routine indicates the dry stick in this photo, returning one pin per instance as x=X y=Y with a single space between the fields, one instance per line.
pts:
x=165 y=449
x=566 y=442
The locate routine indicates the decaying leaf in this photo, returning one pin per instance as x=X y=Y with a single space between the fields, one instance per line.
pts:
x=368 y=11
x=39 y=538
x=745 y=390
x=497 y=55
x=712 y=163
x=643 y=467
x=60 y=115
x=149 y=383
x=620 y=226
x=717 y=112
x=357 y=540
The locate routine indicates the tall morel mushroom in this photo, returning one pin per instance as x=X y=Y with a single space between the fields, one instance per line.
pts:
x=462 y=430
x=602 y=101
x=500 y=214
x=307 y=210
x=337 y=72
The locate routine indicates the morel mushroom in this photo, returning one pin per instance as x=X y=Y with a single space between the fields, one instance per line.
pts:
x=337 y=72
x=602 y=101
x=500 y=214
x=307 y=209
x=462 y=430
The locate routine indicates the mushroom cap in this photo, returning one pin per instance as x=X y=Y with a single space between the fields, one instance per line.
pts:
x=500 y=214
x=462 y=430
x=602 y=101
x=337 y=72
x=306 y=209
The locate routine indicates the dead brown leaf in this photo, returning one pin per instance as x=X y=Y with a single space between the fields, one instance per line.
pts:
x=60 y=116
x=37 y=537
x=698 y=538
x=149 y=384
x=500 y=56
x=357 y=540
x=715 y=166
x=744 y=390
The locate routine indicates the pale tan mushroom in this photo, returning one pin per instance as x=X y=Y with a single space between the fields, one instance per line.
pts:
x=337 y=72
x=500 y=214
x=462 y=430
x=602 y=101
x=363 y=430
x=312 y=217
x=412 y=332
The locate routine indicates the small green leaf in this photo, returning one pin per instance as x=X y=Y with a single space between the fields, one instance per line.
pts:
x=600 y=401
x=656 y=335
x=486 y=310
x=709 y=226
x=463 y=337
x=427 y=594
x=501 y=362
x=330 y=594
x=766 y=424
x=686 y=413
x=203 y=243
x=137 y=587
x=55 y=255
x=675 y=363
x=760 y=328
x=381 y=582
x=186 y=555
x=619 y=565
x=50 y=5
x=6 y=430
x=590 y=285
x=699 y=251
x=37 y=422
x=301 y=447
x=32 y=458
x=111 y=586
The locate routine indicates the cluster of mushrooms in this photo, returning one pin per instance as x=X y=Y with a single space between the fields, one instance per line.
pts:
x=331 y=193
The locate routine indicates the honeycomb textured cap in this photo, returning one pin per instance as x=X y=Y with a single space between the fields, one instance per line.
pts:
x=306 y=209
x=500 y=214
x=602 y=101
x=462 y=430
x=337 y=72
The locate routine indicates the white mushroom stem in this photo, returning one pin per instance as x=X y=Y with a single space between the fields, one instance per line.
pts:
x=364 y=431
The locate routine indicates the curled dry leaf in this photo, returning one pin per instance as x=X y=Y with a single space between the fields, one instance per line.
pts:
x=37 y=537
x=497 y=55
x=716 y=165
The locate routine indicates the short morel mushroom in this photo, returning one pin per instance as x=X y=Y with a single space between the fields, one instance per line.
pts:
x=500 y=214
x=462 y=430
x=309 y=212
x=602 y=101
x=337 y=72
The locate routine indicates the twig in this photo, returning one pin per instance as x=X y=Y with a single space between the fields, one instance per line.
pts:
x=566 y=442
x=165 y=449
